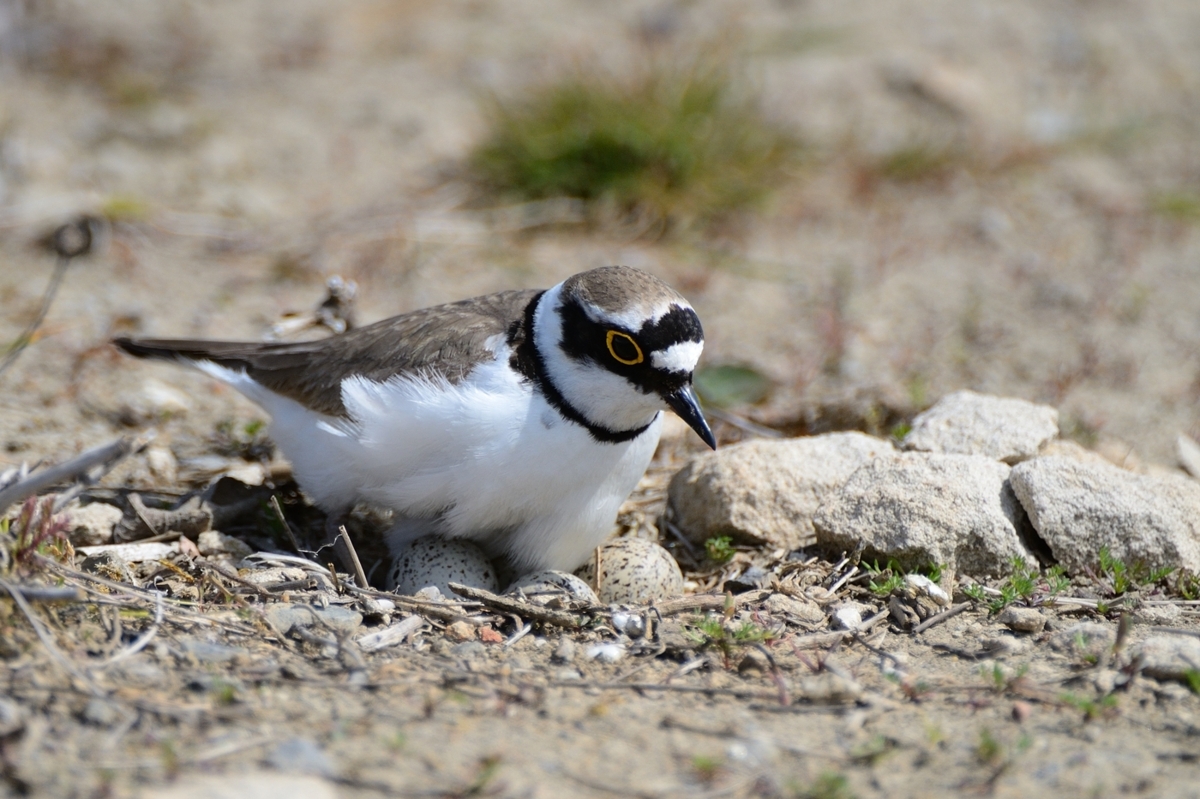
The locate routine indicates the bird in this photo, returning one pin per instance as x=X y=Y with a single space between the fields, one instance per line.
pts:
x=520 y=420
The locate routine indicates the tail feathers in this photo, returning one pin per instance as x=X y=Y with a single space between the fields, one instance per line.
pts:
x=226 y=353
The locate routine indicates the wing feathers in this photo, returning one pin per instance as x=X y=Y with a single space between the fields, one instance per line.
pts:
x=446 y=340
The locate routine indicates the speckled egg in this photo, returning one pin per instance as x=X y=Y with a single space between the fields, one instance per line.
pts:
x=545 y=586
x=634 y=571
x=438 y=562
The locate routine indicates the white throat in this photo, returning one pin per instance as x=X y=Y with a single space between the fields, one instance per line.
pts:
x=605 y=399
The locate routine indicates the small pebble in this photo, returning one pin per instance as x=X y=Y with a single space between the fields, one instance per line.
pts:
x=1022 y=620
x=605 y=653
x=847 y=617
x=631 y=624
x=565 y=652
x=301 y=756
x=469 y=650
x=461 y=631
x=213 y=543
x=1021 y=711
x=101 y=712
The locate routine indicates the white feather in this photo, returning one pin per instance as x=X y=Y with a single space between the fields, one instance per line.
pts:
x=680 y=357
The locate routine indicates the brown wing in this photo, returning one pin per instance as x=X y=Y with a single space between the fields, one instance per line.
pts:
x=445 y=340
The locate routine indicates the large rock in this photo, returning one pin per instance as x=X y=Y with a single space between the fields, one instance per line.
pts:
x=766 y=491
x=1079 y=507
x=1168 y=657
x=927 y=508
x=967 y=423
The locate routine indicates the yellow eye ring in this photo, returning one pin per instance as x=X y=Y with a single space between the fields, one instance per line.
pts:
x=612 y=334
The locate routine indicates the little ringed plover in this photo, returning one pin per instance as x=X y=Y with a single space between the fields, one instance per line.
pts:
x=519 y=420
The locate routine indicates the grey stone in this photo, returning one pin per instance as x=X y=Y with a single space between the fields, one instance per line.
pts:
x=101 y=712
x=1169 y=657
x=828 y=688
x=1085 y=640
x=212 y=543
x=634 y=571
x=206 y=652
x=287 y=616
x=92 y=525
x=12 y=717
x=967 y=423
x=565 y=652
x=469 y=650
x=301 y=756
x=766 y=491
x=1077 y=508
x=1022 y=620
x=927 y=508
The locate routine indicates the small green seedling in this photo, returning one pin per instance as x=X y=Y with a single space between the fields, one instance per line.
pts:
x=720 y=549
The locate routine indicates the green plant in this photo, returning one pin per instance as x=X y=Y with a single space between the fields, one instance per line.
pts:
x=682 y=139
x=1182 y=206
x=887 y=579
x=720 y=549
x=1124 y=577
x=1192 y=678
x=1025 y=584
x=35 y=531
x=247 y=440
x=1104 y=707
x=707 y=768
x=829 y=785
x=727 y=385
x=726 y=636
x=988 y=751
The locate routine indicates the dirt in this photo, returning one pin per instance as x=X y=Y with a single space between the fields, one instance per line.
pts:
x=996 y=197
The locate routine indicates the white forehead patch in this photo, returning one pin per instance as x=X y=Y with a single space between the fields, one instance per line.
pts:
x=681 y=357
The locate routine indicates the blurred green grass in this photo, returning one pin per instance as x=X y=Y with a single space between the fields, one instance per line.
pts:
x=683 y=142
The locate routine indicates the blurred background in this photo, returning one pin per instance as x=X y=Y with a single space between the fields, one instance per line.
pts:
x=871 y=205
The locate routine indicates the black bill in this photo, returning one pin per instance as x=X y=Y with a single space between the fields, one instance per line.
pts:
x=685 y=404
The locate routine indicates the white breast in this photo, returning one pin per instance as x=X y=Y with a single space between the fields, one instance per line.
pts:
x=487 y=459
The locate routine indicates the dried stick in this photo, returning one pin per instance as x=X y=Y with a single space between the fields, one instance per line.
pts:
x=360 y=577
x=525 y=610
x=941 y=617
x=48 y=593
x=287 y=527
x=709 y=602
x=109 y=455
x=447 y=612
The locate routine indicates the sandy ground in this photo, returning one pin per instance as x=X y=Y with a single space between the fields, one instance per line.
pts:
x=1046 y=248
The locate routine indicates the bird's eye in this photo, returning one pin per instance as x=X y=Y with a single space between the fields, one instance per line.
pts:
x=623 y=348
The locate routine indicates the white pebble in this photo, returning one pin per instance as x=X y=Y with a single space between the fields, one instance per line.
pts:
x=605 y=653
